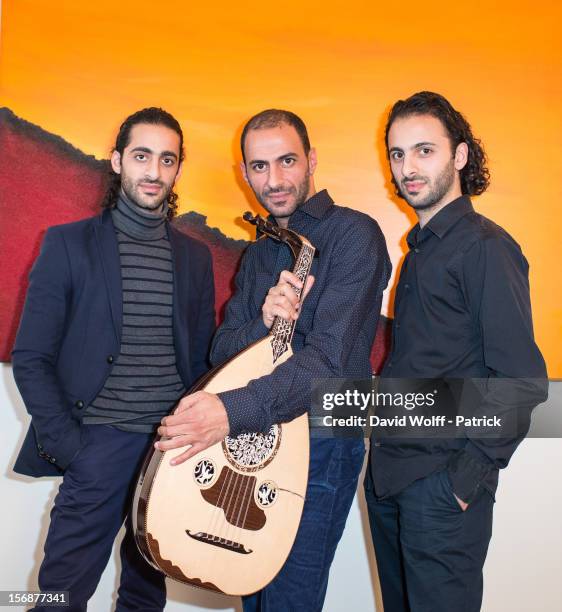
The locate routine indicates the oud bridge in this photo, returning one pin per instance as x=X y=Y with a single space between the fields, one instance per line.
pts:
x=208 y=538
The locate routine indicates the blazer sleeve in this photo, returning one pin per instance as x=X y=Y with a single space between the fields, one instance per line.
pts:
x=34 y=357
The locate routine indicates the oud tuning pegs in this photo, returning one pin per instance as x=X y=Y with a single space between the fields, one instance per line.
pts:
x=263 y=225
x=247 y=216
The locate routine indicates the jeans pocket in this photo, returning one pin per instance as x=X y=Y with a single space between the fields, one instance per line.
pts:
x=447 y=490
x=346 y=462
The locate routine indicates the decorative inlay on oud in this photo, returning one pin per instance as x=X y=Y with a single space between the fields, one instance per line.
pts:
x=204 y=472
x=266 y=494
x=251 y=452
x=282 y=330
x=234 y=493
x=173 y=570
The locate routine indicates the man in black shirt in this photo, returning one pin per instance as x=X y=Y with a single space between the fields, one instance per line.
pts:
x=462 y=311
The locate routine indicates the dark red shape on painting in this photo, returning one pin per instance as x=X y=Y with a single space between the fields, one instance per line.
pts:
x=43 y=181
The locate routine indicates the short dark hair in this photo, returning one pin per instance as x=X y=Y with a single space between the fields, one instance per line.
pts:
x=475 y=176
x=152 y=116
x=273 y=117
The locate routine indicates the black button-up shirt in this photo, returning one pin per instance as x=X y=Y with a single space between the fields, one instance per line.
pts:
x=336 y=326
x=462 y=310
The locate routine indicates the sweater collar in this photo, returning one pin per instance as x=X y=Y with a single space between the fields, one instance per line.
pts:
x=136 y=222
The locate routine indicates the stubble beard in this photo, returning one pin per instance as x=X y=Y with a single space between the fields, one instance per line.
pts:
x=130 y=188
x=300 y=194
x=438 y=190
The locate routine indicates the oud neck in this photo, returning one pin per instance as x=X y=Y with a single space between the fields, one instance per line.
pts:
x=282 y=330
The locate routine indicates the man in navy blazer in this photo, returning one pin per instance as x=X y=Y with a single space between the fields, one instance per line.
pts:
x=116 y=327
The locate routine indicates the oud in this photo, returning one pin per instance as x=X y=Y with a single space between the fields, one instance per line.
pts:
x=226 y=519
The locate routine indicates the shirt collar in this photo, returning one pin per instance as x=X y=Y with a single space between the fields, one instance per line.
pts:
x=442 y=222
x=316 y=206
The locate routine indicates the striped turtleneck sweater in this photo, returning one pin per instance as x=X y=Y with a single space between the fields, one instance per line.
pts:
x=144 y=383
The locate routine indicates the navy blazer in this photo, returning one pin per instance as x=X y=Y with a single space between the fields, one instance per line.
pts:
x=70 y=331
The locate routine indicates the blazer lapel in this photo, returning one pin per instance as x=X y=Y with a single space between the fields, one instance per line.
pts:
x=109 y=255
x=183 y=277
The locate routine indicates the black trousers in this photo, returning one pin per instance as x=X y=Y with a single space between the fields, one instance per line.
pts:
x=430 y=553
x=92 y=503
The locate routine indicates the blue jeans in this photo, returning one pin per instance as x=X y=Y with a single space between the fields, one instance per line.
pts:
x=90 y=507
x=301 y=584
x=430 y=553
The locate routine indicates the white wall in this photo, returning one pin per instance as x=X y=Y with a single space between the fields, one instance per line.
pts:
x=521 y=573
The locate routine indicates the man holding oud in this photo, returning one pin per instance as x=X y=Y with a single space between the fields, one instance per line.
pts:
x=334 y=333
x=117 y=324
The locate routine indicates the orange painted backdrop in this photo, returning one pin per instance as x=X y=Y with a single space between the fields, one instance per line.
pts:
x=77 y=69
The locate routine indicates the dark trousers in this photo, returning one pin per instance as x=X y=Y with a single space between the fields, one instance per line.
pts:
x=430 y=553
x=301 y=584
x=90 y=507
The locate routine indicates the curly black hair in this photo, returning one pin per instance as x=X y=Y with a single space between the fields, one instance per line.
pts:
x=152 y=116
x=475 y=176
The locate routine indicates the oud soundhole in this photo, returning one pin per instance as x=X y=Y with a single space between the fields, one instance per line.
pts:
x=204 y=472
x=252 y=451
x=266 y=494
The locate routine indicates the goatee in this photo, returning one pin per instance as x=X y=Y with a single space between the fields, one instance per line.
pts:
x=437 y=191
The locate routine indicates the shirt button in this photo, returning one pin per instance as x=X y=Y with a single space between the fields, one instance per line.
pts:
x=79 y=404
x=406 y=286
x=416 y=250
x=110 y=359
x=52 y=460
x=397 y=325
